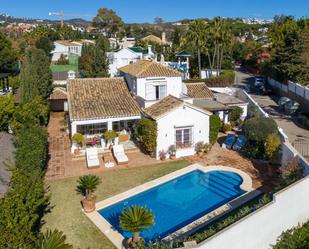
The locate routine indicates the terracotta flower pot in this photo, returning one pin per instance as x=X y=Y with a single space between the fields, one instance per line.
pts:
x=89 y=205
x=172 y=157
x=200 y=153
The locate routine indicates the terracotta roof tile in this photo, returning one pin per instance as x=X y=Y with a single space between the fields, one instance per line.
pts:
x=98 y=98
x=145 y=68
x=199 y=90
x=58 y=93
x=162 y=107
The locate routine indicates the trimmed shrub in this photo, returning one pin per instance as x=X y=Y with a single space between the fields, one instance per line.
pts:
x=272 y=146
x=226 y=127
x=215 y=125
x=295 y=238
x=78 y=138
x=226 y=78
x=235 y=114
x=258 y=128
x=146 y=134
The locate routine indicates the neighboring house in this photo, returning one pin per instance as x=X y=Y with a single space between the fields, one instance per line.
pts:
x=100 y=104
x=125 y=56
x=126 y=42
x=61 y=77
x=181 y=65
x=231 y=101
x=161 y=41
x=204 y=98
x=150 y=82
x=58 y=100
x=179 y=123
x=68 y=48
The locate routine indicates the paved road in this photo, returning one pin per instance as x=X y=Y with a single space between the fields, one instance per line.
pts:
x=293 y=131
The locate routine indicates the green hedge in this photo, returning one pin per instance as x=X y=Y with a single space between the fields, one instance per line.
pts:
x=226 y=78
x=225 y=221
x=146 y=133
x=215 y=126
x=24 y=205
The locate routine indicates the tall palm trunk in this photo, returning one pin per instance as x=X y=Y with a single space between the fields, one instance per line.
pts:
x=199 y=61
x=136 y=237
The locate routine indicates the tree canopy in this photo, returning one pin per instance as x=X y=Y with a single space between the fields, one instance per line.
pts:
x=108 y=21
x=93 y=62
x=35 y=76
x=8 y=56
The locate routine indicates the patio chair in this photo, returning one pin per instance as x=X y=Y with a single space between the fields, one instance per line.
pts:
x=119 y=154
x=92 y=157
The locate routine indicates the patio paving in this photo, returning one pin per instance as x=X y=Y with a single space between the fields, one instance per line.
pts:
x=63 y=164
x=258 y=171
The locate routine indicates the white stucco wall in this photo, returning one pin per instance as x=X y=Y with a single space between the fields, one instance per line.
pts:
x=182 y=117
x=261 y=229
x=120 y=59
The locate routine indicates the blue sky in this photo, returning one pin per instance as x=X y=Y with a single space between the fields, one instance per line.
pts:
x=169 y=10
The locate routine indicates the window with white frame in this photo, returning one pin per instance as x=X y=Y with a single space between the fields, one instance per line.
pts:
x=183 y=137
x=155 y=91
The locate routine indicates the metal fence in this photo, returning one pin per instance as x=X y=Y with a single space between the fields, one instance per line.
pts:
x=302 y=147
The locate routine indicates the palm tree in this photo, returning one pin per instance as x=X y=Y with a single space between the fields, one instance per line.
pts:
x=87 y=185
x=53 y=240
x=135 y=219
x=196 y=35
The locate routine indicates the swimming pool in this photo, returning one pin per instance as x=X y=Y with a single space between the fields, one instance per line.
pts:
x=180 y=201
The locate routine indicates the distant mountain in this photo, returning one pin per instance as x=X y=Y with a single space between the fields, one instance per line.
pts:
x=75 y=21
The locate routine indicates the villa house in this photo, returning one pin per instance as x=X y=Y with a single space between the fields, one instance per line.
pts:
x=126 y=56
x=68 y=48
x=150 y=82
x=100 y=104
x=155 y=39
x=179 y=124
x=151 y=90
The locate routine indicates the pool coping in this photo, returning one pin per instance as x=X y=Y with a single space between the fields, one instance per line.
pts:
x=117 y=239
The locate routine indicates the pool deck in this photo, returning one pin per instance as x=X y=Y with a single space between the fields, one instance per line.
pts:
x=118 y=240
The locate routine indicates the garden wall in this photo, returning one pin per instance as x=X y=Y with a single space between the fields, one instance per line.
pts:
x=293 y=91
x=260 y=229
x=289 y=207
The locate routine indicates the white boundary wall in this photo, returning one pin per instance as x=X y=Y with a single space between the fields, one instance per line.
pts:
x=301 y=91
x=261 y=229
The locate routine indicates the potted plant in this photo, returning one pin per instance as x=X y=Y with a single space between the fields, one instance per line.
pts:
x=162 y=155
x=78 y=139
x=226 y=128
x=109 y=136
x=172 y=151
x=86 y=186
x=207 y=148
x=136 y=219
x=200 y=148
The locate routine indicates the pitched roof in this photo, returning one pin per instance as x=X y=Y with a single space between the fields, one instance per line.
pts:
x=154 y=38
x=138 y=50
x=146 y=68
x=68 y=43
x=199 y=90
x=164 y=106
x=183 y=53
x=228 y=99
x=99 y=98
x=58 y=93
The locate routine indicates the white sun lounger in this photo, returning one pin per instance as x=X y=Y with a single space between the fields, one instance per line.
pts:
x=119 y=154
x=92 y=157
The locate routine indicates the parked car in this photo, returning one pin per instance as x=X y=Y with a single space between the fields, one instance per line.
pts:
x=240 y=142
x=229 y=141
x=259 y=81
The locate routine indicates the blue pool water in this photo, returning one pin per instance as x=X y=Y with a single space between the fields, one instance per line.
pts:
x=180 y=201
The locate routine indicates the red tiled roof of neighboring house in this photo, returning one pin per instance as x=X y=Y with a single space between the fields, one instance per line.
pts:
x=58 y=93
x=146 y=68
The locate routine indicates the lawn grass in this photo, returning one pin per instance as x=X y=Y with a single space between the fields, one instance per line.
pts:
x=61 y=68
x=66 y=214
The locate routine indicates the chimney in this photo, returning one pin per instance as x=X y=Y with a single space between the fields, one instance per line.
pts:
x=149 y=49
x=163 y=37
x=71 y=75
